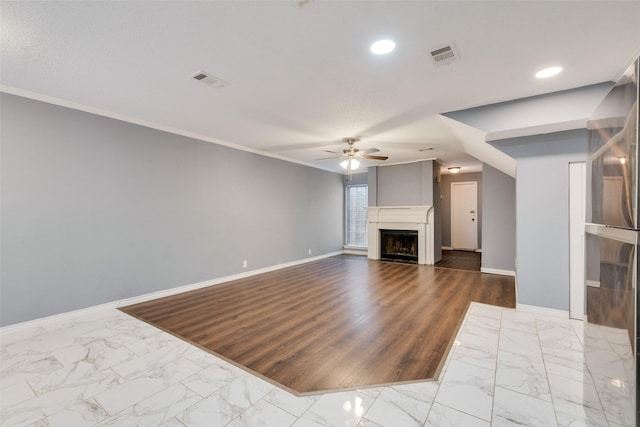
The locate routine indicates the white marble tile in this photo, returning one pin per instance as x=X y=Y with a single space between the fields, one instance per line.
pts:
x=245 y=391
x=82 y=374
x=162 y=356
x=572 y=368
x=213 y=411
x=23 y=417
x=212 y=378
x=514 y=409
x=561 y=345
x=519 y=321
x=26 y=371
x=336 y=409
x=475 y=356
x=53 y=373
x=293 y=404
x=15 y=394
x=100 y=352
x=263 y=414
x=484 y=341
x=443 y=416
x=485 y=322
x=468 y=389
x=368 y=423
x=405 y=405
x=41 y=344
x=8 y=336
x=485 y=310
x=577 y=392
x=137 y=389
x=617 y=399
x=203 y=358
x=519 y=342
x=48 y=404
x=522 y=374
x=84 y=413
x=172 y=422
x=570 y=414
x=605 y=362
x=157 y=409
x=156 y=342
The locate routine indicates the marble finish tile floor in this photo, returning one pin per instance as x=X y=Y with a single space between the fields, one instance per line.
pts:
x=506 y=368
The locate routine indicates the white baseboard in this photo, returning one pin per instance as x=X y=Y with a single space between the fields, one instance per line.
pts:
x=593 y=283
x=154 y=295
x=355 y=251
x=497 y=271
x=449 y=248
x=551 y=312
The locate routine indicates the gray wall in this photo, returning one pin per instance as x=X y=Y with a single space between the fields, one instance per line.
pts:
x=445 y=189
x=96 y=210
x=400 y=185
x=542 y=212
x=410 y=184
x=499 y=225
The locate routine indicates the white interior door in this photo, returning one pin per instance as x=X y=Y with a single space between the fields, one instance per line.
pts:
x=464 y=215
x=577 y=178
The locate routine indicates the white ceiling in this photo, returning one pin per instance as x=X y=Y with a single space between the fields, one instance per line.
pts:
x=300 y=75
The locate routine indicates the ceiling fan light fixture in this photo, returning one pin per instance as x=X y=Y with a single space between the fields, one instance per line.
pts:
x=454 y=169
x=354 y=164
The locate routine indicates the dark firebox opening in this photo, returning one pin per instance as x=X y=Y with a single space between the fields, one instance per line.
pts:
x=399 y=245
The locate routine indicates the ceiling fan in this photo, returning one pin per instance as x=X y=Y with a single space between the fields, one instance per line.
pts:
x=352 y=154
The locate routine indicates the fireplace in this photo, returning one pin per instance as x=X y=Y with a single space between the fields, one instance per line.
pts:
x=399 y=245
x=401 y=218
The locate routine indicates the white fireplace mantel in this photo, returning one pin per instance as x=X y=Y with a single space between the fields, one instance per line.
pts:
x=418 y=218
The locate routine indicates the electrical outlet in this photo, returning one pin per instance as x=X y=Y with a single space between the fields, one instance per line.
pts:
x=244 y=264
x=309 y=251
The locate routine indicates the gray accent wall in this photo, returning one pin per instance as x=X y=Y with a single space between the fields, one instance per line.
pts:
x=542 y=212
x=445 y=189
x=499 y=225
x=96 y=210
x=401 y=185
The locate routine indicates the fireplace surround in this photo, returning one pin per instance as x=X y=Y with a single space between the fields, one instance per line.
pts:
x=414 y=218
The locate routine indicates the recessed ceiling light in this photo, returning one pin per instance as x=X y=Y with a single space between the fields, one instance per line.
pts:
x=548 y=72
x=382 y=47
x=454 y=169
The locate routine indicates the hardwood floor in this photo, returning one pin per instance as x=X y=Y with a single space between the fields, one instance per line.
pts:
x=460 y=260
x=338 y=323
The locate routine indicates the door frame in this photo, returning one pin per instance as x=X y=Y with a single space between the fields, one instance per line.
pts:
x=475 y=184
x=577 y=208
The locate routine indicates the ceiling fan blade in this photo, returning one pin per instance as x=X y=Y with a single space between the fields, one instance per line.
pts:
x=329 y=151
x=366 y=156
x=370 y=151
x=327 y=158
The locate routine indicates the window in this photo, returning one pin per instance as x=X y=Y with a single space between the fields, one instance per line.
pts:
x=356 y=215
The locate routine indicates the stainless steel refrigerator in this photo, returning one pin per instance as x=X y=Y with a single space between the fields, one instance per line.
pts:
x=611 y=245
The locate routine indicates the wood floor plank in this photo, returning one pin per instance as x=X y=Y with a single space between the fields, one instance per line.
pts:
x=339 y=323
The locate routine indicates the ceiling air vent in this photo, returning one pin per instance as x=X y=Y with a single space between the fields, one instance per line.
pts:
x=208 y=79
x=444 y=55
